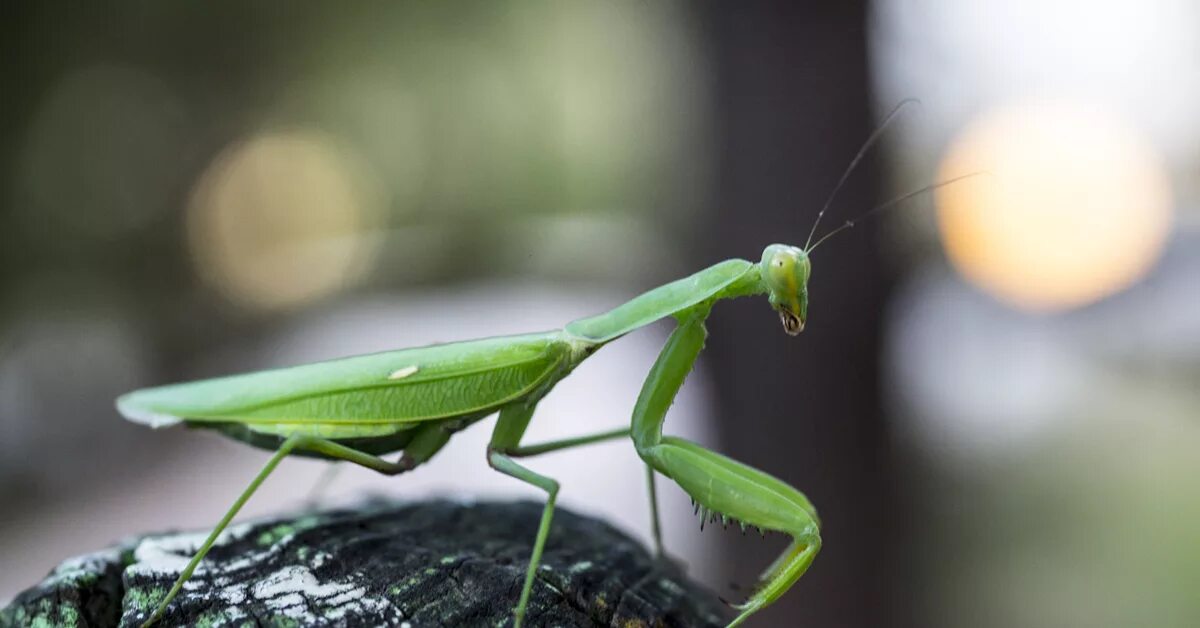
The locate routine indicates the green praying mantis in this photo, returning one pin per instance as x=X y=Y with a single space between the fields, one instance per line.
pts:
x=413 y=401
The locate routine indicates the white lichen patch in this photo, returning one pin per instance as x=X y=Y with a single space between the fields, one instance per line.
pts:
x=171 y=553
x=233 y=595
x=291 y=590
x=83 y=566
x=319 y=559
x=580 y=567
x=404 y=372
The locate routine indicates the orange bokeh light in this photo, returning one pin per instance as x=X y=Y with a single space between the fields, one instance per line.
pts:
x=1074 y=205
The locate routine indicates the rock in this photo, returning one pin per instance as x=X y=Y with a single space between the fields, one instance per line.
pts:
x=420 y=564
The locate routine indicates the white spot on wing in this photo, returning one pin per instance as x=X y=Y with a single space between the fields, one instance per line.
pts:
x=402 y=373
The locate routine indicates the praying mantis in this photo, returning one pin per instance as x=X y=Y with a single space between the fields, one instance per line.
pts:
x=413 y=401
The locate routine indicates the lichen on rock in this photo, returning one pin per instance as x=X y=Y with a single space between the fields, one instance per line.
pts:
x=436 y=563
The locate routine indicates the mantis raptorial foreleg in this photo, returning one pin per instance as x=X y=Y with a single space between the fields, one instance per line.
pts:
x=423 y=447
x=722 y=487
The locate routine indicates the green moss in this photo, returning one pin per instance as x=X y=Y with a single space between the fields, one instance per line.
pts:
x=275 y=533
x=87 y=579
x=211 y=619
x=144 y=599
x=214 y=619
x=45 y=615
x=272 y=535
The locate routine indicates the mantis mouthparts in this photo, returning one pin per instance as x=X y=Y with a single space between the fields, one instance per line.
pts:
x=792 y=324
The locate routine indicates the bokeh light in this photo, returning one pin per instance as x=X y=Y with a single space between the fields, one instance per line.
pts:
x=283 y=219
x=102 y=155
x=1073 y=205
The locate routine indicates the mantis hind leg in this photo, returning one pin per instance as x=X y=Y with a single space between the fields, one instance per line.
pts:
x=423 y=446
x=722 y=488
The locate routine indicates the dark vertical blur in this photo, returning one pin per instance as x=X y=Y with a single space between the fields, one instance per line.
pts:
x=792 y=103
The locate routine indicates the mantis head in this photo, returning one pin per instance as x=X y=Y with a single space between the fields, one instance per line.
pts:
x=785 y=270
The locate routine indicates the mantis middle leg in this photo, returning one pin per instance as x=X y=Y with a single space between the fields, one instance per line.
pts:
x=541 y=448
x=502 y=451
x=721 y=486
x=506 y=438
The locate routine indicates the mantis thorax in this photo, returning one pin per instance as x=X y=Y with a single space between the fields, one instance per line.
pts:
x=785 y=270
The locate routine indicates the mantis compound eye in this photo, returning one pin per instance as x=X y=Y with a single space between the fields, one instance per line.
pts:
x=792 y=325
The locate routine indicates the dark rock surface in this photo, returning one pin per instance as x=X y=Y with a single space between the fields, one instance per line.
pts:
x=384 y=564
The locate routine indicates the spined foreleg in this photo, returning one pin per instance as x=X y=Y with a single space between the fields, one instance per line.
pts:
x=720 y=485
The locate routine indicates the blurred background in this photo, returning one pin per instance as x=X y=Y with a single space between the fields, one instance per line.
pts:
x=995 y=405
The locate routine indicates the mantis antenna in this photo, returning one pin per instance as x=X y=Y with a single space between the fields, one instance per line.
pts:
x=854 y=162
x=892 y=203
